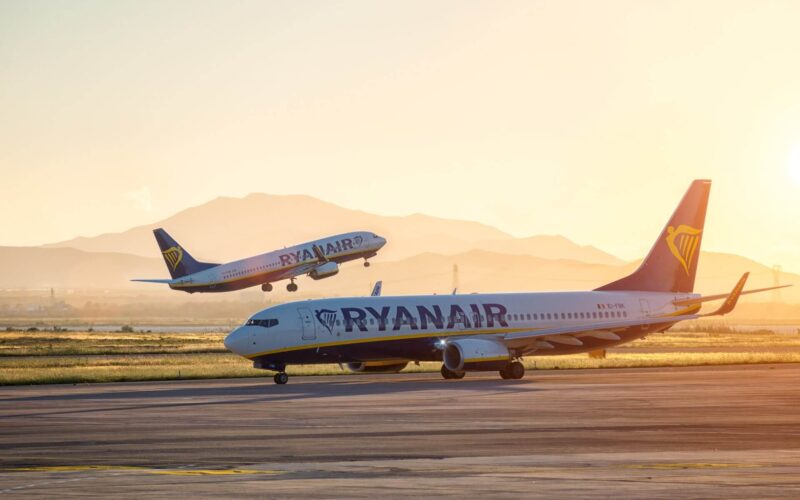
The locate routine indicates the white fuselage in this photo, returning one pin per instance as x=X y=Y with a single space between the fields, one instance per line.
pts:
x=412 y=327
x=281 y=264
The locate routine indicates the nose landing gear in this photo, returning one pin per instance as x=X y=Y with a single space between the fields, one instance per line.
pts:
x=281 y=378
x=366 y=263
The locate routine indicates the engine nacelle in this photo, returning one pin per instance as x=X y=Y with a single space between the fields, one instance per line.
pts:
x=325 y=270
x=475 y=355
x=377 y=366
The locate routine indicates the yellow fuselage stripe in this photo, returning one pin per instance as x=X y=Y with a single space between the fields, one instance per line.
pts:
x=414 y=336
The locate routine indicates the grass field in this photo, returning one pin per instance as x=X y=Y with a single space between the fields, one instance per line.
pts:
x=80 y=357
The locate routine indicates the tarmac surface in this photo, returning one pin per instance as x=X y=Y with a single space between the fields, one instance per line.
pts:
x=731 y=431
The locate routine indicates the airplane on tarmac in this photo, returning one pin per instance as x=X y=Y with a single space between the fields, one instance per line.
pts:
x=319 y=259
x=487 y=332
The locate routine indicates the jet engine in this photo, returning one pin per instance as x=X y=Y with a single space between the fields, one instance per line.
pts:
x=325 y=270
x=475 y=355
x=377 y=366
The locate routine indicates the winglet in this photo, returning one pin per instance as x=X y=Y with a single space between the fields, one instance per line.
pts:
x=319 y=254
x=732 y=299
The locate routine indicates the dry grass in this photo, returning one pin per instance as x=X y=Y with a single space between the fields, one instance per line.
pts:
x=78 y=357
x=50 y=343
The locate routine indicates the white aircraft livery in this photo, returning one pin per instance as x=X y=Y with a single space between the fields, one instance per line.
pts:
x=318 y=259
x=491 y=332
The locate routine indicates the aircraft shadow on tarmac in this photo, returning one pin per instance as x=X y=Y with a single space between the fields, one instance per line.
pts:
x=267 y=392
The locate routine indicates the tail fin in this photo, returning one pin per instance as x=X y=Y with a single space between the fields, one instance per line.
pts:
x=178 y=260
x=671 y=264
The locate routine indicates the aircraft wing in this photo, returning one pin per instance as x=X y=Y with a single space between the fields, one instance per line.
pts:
x=304 y=268
x=571 y=334
x=142 y=280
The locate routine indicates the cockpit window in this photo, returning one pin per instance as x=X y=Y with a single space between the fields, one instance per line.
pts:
x=266 y=323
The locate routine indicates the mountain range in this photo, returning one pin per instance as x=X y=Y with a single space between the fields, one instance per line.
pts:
x=419 y=258
x=226 y=229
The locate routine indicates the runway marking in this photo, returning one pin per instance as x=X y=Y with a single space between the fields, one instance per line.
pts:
x=691 y=466
x=148 y=470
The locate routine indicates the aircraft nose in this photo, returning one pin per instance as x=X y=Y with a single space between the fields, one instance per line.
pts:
x=381 y=241
x=235 y=341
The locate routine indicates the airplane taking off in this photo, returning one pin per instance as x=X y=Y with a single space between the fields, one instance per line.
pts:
x=488 y=332
x=319 y=259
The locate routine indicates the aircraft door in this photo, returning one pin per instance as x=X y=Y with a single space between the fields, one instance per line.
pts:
x=644 y=305
x=307 y=321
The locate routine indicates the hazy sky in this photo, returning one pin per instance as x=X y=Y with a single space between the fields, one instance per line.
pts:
x=587 y=119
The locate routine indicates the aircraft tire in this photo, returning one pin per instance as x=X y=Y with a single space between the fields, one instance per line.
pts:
x=516 y=370
x=266 y=287
x=504 y=373
x=446 y=374
x=281 y=378
x=366 y=263
x=291 y=287
x=459 y=375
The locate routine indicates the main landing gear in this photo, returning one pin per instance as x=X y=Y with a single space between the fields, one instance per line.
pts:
x=266 y=287
x=291 y=287
x=448 y=374
x=515 y=370
x=281 y=378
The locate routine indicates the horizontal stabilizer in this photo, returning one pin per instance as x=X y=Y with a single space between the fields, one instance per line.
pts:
x=709 y=298
x=166 y=282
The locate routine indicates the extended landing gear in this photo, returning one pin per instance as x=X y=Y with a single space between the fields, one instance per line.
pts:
x=515 y=370
x=281 y=378
x=266 y=287
x=366 y=263
x=448 y=374
x=291 y=287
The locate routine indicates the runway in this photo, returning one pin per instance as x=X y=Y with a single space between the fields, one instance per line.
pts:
x=731 y=431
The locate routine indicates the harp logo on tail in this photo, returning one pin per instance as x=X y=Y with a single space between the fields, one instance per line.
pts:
x=326 y=318
x=683 y=242
x=173 y=255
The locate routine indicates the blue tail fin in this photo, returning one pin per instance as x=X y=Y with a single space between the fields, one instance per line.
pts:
x=178 y=260
x=671 y=264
